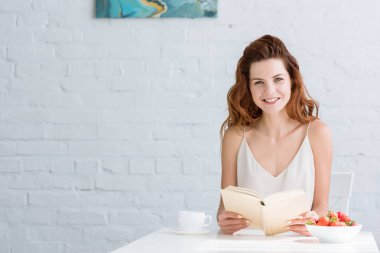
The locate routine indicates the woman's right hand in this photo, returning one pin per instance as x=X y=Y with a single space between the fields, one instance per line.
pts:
x=230 y=222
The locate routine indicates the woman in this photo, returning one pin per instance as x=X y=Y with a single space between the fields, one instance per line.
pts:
x=272 y=139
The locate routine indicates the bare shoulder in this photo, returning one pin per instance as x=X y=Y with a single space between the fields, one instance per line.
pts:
x=319 y=129
x=319 y=133
x=233 y=134
x=232 y=138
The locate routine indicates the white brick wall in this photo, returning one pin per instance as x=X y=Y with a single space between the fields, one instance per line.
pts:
x=109 y=127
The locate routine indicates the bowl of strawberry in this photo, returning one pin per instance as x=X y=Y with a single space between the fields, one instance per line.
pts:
x=335 y=227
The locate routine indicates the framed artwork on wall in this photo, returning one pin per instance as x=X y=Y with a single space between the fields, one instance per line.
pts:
x=156 y=8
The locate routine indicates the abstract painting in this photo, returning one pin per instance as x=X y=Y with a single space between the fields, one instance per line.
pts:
x=156 y=8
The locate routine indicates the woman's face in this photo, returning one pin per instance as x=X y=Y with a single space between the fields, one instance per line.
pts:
x=270 y=85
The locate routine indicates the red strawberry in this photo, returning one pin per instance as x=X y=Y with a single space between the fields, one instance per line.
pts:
x=332 y=214
x=334 y=223
x=323 y=221
x=343 y=217
x=340 y=214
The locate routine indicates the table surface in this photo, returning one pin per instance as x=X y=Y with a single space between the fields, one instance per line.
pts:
x=166 y=240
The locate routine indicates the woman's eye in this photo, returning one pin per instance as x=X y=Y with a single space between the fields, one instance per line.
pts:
x=278 y=79
x=258 y=83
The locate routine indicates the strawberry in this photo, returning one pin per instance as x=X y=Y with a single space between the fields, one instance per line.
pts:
x=351 y=223
x=323 y=221
x=340 y=214
x=332 y=214
x=311 y=221
x=334 y=221
x=343 y=217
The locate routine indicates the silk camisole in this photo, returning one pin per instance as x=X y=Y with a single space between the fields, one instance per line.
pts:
x=299 y=174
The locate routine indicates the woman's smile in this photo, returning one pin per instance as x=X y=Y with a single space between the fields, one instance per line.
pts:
x=271 y=101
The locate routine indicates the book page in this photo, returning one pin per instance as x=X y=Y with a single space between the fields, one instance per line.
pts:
x=283 y=194
x=244 y=190
x=277 y=211
x=248 y=206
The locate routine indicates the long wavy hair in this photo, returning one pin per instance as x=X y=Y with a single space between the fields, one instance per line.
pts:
x=242 y=111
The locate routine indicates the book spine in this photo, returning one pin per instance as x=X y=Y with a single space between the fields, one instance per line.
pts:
x=264 y=218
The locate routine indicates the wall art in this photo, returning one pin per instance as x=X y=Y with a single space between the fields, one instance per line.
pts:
x=156 y=8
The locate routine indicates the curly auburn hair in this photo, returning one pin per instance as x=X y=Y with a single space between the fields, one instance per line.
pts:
x=242 y=111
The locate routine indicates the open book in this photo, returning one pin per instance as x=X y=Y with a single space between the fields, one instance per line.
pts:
x=270 y=214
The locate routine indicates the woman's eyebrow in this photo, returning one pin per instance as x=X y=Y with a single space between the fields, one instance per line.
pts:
x=257 y=78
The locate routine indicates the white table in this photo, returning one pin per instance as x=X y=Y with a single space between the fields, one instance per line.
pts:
x=166 y=241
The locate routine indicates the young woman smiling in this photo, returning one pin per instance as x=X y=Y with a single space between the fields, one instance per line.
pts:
x=272 y=139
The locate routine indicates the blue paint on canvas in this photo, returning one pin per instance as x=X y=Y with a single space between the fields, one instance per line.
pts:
x=156 y=8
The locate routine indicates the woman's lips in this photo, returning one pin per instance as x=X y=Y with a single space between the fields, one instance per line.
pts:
x=271 y=100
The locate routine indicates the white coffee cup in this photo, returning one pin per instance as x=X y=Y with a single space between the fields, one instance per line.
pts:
x=193 y=221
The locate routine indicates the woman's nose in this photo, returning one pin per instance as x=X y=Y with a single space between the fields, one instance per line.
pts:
x=270 y=88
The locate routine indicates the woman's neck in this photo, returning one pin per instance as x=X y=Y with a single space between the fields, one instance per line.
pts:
x=276 y=125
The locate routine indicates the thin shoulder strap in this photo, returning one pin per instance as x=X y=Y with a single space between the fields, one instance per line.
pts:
x=307 y=130
x=243 y=132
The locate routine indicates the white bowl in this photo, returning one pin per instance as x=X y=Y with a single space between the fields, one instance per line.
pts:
x=334 y=234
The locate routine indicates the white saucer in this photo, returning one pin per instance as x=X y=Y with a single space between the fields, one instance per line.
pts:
x=191 y=232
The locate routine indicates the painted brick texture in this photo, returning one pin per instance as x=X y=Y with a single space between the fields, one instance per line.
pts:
x=109 y=127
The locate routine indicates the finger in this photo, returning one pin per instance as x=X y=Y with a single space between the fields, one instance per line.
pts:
x=228 y=232
x=301 y=229
x=298 y=227
x=231 y=215
x=303 y=214
x=232 y=222
x=234 y=226
x=309 y=214
x=298 y=221
x=312 y=215
x=304 y=217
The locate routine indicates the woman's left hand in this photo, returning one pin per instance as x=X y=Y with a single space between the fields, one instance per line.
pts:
x=298 y=225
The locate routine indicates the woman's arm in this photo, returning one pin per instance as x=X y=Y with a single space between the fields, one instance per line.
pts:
x=321 y=145
x=230 y=222
x=230 y=147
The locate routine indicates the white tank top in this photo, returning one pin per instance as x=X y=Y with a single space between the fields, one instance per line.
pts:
x=299 y=174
